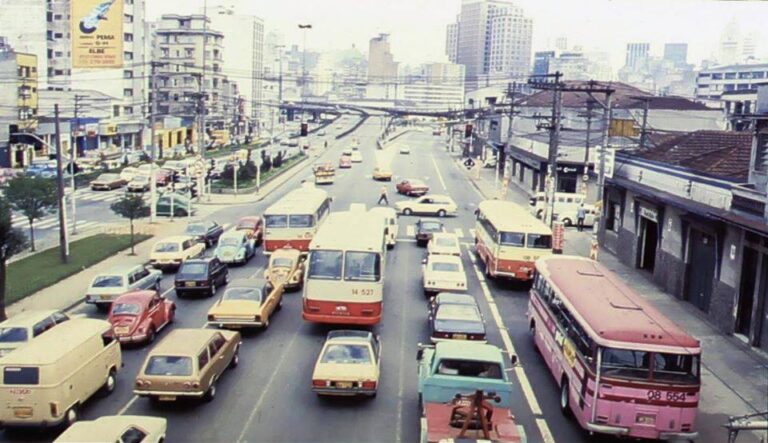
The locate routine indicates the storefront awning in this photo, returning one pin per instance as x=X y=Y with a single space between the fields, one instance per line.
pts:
x=656 y=196
x=749 y=223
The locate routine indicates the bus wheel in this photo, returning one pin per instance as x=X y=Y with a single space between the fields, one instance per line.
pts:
x=567 y=222
x=71 y=416
x=565 y=406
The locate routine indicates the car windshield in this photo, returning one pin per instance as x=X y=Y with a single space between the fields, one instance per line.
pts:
x=140 y=178
x=446 y=242
x=250 y=294
x=636 y=364
x=470 y=368
x=347 y=354
x=169 y=366
x=125 y=309
x=431 y=227
x=107 y=281
x=196 y=229
x=362 y=266
x=626 y=363
x=109 y=177
x=193 y=269
x=445 y=267
x=230 y=241
x=282 y=262
x=512 y=239
x=13 y=335
x=325 y=265
x=167 y=247
x=539 y=241
x=276 y=221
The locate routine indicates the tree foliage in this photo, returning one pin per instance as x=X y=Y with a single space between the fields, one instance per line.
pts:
x=12 y=241
x=131 y=206
x=34 y=197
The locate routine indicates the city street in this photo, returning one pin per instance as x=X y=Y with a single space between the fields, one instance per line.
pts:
x=269 y=392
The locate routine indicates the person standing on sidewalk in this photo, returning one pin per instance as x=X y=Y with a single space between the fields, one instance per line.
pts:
x=581 y=214
x=383 y=196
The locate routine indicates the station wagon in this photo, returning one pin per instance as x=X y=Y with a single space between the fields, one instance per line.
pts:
x=106 y=287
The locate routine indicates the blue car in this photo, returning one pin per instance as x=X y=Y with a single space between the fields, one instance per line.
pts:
x=235 y=248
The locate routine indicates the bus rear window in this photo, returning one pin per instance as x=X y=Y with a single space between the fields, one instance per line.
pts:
x=21 y=376
x=512 y=239
x=276 y=221
x=676 y=368
x=362 y=266
x=325 y=265
x=625 y=363
x=467 y=368
x=538 y=241
x=300 y=221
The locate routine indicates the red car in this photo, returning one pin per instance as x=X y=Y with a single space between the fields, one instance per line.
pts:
x=137 y=317
x=412 y=187
x=345 y=161
x=254 y=227
x=163 y=177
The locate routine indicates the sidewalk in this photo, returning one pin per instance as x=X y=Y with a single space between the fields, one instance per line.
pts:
x=734 y=376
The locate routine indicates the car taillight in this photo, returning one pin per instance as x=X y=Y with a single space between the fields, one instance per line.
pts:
x=476 y=337
x=257 y=318
x=368 y=384
x=143 y=383
x=442 y=335
x=191 y=385
x=211 y=317
x=54 y=408
x=319 y=383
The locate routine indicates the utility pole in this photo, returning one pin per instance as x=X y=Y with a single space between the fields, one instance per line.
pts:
x=643 y=130
x=73 y=157
x=607 y=116
x=63 y=239
x=501 y=162
x=304 y=28
x=541 y=82
x=153 y=142
x=590 y=107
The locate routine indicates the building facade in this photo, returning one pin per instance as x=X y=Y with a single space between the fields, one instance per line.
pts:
x=541 y=62
x=636 y=55
x=452 y=41
x=732 y=88
x=382 y=67
x=677 y=53
x=18 y=105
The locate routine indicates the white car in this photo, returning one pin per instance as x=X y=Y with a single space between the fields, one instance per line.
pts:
x=128 y=173
x=119 y=428
x=357 y=157
x=444 y=243
x=405 y=149
x=443 y=273
x=171 y=252
x=349 y=364
x=439 y=205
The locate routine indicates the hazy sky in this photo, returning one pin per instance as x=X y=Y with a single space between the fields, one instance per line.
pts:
x=417 y=27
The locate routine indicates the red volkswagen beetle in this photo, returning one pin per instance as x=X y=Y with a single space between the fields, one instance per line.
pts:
x=253 y=226
x=137 y=317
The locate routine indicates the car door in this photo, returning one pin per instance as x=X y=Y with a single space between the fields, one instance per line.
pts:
x=217 y=348
x=154 y=312
x=216 y=231
x=205 y=368
x=145 y=280
x=424 y=205
x=268 y=300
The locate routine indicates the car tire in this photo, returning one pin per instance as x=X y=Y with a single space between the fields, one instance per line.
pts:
x=235 y=359
x=567 y=222
x=71 y=416
x=213 y=289
x=441 y=213
x=210 y=394
x=151 y=335
x=109 y=384
x=407 y=211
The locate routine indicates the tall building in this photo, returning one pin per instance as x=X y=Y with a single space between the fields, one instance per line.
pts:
x=382 y=68
x=452 y=41
x=541 y=61
x=561 y=43
x=43 y=29
x=184 y=45
x=243 y=57
x=494 y=42
x=637 y=55
x=677 y=53
x=728 y=49
x=18 y=103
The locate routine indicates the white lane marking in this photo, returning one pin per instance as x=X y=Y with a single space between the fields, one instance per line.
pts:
x=525 y=384
x=45 y=224
x=459 y=232
x=439 y=175
x=85 y=224
x=269 y=384
x=401 y=390
x=130 y=403
x=406 y=240
x=410 y=231
x=472 y=233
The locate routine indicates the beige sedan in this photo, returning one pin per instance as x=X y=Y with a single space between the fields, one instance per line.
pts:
x=116 y=428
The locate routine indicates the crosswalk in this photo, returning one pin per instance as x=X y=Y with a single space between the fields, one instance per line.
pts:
x=410 y=231
x=50 y=222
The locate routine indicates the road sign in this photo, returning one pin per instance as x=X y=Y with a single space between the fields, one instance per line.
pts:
x=469 y=163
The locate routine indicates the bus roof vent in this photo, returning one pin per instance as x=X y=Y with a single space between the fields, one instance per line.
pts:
x=590 y=272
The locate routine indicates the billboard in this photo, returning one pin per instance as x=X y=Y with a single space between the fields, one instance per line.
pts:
x=97 y=33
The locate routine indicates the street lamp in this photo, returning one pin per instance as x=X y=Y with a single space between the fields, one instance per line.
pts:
x=304 y=28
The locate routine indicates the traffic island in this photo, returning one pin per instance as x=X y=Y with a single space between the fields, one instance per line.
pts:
x=41 y=270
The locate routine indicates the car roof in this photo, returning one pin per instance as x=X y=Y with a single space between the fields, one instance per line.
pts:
x=414 y=180
x=442 y=258
x=138 y=297
x=28 y=318
x=108 y=428
x=441 y=196
x=453 y=311
x=469 y=351
x=184 y=341
x=119 y=269
x=454 y=298
x=233 y=233
x=175 y=239
x=49 y=348
x=286 y=252
x=256 y=283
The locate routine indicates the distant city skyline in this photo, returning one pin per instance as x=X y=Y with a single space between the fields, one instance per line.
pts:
x=417 y=27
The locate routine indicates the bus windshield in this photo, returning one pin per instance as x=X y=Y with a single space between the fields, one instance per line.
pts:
x=325 y=265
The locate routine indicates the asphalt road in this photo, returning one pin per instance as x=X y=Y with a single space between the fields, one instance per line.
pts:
x=267 y=398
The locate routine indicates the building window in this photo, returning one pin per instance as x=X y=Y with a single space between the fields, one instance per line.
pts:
x=128 y=110
x=730 y=75
x=190 y=52
x=128 y=18
x=115 y=110
x=57 y=17
x=743 y=75
x=613 y=216
x=127 y=92
x=761 y=153
x=760 y=74
x=128 y=55
x=58 y=35
x=58 y=54
x=743 y=87
x=127 y=74
x=164 y=52
x=717 y=76
x=128 y=37
x=729 y=87
x=58 y=72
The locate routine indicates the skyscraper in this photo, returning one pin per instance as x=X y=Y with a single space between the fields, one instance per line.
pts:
x=637 y=55
x=676 y=53
x=382 y=68
x=494 y=41
x=452 y=41
x=541 y=61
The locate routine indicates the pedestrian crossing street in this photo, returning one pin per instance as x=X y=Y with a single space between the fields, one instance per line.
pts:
x=410 y=232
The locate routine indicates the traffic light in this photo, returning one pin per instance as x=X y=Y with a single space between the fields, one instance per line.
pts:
x=304 y=129
x=468 y=131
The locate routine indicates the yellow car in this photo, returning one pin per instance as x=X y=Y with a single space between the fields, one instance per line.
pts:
x=286 y=267
x=246 y=303
x=382 y=173
x=349 y=364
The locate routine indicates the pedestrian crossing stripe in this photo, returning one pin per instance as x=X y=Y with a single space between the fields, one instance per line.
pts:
x=410 y=231
x=472 y=233
x=459 y=232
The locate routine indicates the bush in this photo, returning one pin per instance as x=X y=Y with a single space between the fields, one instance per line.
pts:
x=278 y=161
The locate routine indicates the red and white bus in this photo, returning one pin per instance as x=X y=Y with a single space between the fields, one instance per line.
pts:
x=292 y=221
x=509 y=240
x=623 y=368
x=344 y=280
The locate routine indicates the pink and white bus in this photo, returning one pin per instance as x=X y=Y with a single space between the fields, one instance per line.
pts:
x=623 y=368
x=292 y=221
x=344 y=280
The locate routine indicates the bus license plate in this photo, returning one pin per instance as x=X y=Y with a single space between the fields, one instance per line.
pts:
x=459 y=336
x=646 y=419
x=344 y=385
x=24 y=412
x=167 y=398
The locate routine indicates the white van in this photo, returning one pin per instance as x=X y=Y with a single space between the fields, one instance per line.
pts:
x=390 y=221
x=566 y=207
x=46 y=382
